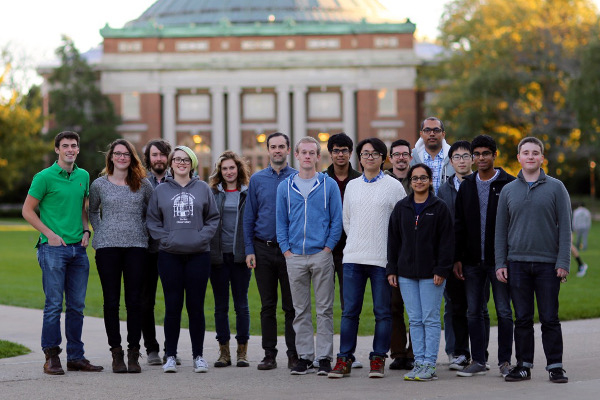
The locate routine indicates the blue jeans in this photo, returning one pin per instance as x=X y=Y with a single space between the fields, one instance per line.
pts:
x=179 y=274
x=526 y=279
x=65 y=269
x=423 y=300
x=238 y=274
x=355 y=281
x=475 y=286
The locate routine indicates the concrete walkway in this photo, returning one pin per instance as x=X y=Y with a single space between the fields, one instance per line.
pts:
x=22 y=377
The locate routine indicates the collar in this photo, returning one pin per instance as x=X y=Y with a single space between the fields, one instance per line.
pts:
x=58 y=169
x=378 y=177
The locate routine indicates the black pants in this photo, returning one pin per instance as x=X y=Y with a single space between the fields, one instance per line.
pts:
x=339 y=270
x=112 y=263
x=149 y=284
x=270 y=270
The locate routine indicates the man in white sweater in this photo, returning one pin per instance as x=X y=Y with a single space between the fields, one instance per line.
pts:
x=368 y=203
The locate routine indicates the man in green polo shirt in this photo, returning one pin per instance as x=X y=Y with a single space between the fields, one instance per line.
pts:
x=60 y=191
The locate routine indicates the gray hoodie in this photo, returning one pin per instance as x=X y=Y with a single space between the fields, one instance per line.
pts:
x=182 y=219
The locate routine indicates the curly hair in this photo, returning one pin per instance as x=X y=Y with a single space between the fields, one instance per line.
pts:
x=243 y=169
x=135 y=172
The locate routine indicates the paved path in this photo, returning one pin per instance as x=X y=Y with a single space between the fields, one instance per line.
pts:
x=22 y=377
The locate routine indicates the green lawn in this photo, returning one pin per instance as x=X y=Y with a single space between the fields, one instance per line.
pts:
x=10 y=349
x=20 y=285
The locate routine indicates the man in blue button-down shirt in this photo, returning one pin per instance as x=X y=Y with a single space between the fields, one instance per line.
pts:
x=263 y=253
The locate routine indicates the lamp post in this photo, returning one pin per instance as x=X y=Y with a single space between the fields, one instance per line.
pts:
x=593 y=179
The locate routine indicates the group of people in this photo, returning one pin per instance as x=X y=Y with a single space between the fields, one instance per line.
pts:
x=425 y=230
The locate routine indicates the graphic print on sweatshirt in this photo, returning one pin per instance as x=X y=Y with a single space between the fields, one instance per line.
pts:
x=183 y=208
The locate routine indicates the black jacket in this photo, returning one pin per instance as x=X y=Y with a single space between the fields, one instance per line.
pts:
x=418 y=251
x=239 y=251
x=448 y=193
x=467 y=220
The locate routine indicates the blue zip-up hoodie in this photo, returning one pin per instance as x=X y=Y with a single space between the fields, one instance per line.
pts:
x=307 y=226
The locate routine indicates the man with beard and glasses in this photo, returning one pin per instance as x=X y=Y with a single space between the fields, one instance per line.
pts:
x=156 y=153
x=400 y=158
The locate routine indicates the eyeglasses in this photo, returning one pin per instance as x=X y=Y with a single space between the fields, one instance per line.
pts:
x=366 y=156
x=457 y=157
x=485 y=154
x=118 y=154
x=184 y=161
x=434 y=130
x=400 y=155
x=335 y=152
x=422 y=178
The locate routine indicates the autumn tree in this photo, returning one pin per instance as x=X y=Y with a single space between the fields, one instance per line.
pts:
x=508 y=73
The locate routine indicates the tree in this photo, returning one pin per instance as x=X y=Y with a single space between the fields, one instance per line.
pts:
x=77 y=104
x=508 y=73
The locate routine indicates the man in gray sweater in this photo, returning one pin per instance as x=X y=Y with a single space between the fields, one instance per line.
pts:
x=533 y=242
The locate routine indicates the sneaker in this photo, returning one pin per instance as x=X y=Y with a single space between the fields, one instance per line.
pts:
x=518 y=374
x=411 y=375
x=487 y=366
x=459 y=363
x=426 y=373
x=200 y=365
x=473 y=369
x=303 y=367
x=316 y=364
x=170 y=365
x=582 y=270
x=505 y=368
x=324 y=367
x=398 y=363
x=356 y=364
x=377 y=367
x=177 y=360
x=343 y=367
x=154 y=359
x=557 y=375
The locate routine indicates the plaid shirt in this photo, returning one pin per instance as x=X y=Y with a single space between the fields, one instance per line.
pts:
x=436 y=165
x=378 y=177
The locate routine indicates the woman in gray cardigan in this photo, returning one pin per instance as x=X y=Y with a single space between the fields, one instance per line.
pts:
x=118 y=202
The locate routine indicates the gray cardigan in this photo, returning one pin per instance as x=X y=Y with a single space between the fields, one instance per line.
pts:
x=533 y=224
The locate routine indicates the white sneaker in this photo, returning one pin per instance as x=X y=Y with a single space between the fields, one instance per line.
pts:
x=170 y=365
x=582 y=271
x=356 y=364
x=200 y=365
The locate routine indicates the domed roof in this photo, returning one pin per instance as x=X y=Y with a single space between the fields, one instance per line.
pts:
x=174 y=13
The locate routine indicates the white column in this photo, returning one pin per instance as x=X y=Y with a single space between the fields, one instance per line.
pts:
x=234 y=139
x=299 y=116
x=349 y=117
x=283 y=109
x=218 y=123
x=168 y=115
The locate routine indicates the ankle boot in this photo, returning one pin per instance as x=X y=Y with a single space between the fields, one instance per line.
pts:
x=242 y=355
x=133 y=364
x=52 y=365
x=118 y=364
x=224 y=356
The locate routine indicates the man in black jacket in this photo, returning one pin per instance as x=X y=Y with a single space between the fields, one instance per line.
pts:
x=475 y=224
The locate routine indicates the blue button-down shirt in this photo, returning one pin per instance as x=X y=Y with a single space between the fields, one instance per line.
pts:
x=436 y=164
x=379 y=176
x=259 y=214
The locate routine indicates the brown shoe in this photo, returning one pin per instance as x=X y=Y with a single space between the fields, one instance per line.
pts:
x=52 y=365
x=292 y=360
x=133 y=364
x=118 y=363
x=268 y=362
x=224 y=356
x=242 y=355
x=83 y=365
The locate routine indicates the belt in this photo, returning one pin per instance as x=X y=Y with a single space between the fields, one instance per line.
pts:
x=269 y=243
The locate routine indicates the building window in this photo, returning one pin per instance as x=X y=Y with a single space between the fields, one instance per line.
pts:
x=259 y=106
x=193 y=107
x=385 y=42
x=130 y=46
x=258 y=45
x=318 y=44
x=192 y=45
x=324 y=105
x=386 y=103
x=130 y=106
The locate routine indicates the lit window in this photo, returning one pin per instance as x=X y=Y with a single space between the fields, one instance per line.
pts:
x=386 y=103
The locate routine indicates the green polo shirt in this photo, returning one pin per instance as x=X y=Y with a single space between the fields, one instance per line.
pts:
x=61 y=197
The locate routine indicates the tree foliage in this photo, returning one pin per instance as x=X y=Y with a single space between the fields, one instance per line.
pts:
x=77 y=104
x=508 y=73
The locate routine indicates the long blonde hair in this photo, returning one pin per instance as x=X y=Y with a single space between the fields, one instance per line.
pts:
x=242 y=166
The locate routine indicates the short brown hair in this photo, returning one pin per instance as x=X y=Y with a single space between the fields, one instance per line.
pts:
x=530 y=139
x=65 y=135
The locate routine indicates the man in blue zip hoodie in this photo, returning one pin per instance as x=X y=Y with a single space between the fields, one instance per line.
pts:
x=309 y=224
x=533 y=255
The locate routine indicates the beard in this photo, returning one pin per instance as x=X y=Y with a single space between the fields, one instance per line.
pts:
x=158 y=167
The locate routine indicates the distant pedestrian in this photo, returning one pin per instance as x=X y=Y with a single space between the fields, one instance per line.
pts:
x=582 y=223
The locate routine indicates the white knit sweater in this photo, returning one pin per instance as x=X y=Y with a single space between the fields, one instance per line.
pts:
x=367 y=210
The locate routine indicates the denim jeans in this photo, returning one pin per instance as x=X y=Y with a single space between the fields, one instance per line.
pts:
x=475 y=285
x=355 y=281
x=149 y=284
x=456 y=331
x=525 y=280
x=179 y=274
x=65 y=269
x=423 y=300
x=238 y=275
x=112 y=263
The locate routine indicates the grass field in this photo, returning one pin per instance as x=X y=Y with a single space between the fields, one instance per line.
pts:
x=20 y=284
x=10 y=349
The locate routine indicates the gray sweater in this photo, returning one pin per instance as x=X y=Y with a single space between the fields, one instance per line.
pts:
x=118 y=215
x=534 y=223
